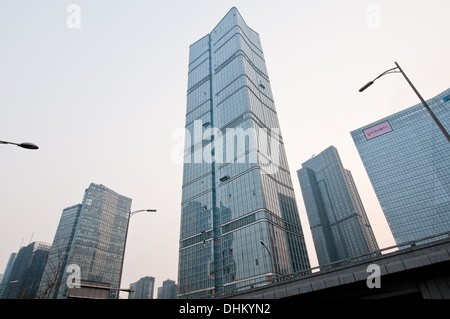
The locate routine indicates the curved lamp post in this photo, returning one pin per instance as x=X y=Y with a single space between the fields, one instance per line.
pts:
x=271 y=262
x=398 y=69
x=26 y=145
x=131 y=213
x=262 y=243
x=142 y=210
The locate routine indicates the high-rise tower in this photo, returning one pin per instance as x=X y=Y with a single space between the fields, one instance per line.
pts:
x=407 y=158
x=5 y=279
x=338 y=220
x=55 y=267
x=143 y=288
x=239 y=220
x=26 y=272
x=98 y=243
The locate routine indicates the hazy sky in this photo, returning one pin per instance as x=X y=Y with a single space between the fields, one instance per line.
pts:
x=103 y=101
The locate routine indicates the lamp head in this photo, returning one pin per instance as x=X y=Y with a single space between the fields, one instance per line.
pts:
x=29 y=146
x=366 y=86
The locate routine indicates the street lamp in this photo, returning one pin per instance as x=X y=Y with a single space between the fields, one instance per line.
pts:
x=271 y=263
x=26 y=145
x=262 y=243
x=131 y=213
x=398 y=69
x=142 y=210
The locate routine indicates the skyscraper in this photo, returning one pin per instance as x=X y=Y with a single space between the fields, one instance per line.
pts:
x=239 y=220
x=98 y=243
x=55 y=268
x=337 y=218
x=26 y=272
x=143 y=288
x=5 y=279
x=168 y=290
x=407 y=158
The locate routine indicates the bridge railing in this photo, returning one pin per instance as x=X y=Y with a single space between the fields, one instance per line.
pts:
x=276 y=278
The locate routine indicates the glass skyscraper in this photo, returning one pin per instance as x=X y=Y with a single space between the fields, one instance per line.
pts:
x=26 y=272
x=168 y=290
x=239 y=220
x=407 y=158
x=59 y=252
x=5 y=279
x=337 y=218
x=143 y=288
x=98 y=243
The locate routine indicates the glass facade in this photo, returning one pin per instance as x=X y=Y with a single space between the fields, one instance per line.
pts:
x=407 y=158
x=59 y=252
x=5 y=279
x=168 y=290
x=143 y=288
x=239 y=219
x=337 y=218
x=26 y=272
x=99 y=240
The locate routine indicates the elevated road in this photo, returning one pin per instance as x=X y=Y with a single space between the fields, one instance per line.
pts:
x=416 y=270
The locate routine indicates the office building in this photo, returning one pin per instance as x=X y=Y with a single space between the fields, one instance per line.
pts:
x=7 y=273
x=159 y=293
x=143 y=288
x=132 y=290
x=168 y=290
x=337 y=218
x=239 y=220
x=55 y=268
x=407 y=158
x=26 y=272
x=98 y=244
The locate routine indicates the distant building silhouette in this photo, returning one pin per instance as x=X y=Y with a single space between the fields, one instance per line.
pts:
x=337 y=218
x=7 y=273
x=143 y=288
x=168 y=290
x=26 y=272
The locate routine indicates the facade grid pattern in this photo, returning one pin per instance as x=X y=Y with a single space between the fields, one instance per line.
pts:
x=337 y=218
x=409 y=167
x=236 y=194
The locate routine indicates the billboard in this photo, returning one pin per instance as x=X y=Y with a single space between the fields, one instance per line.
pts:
x=377 y=130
